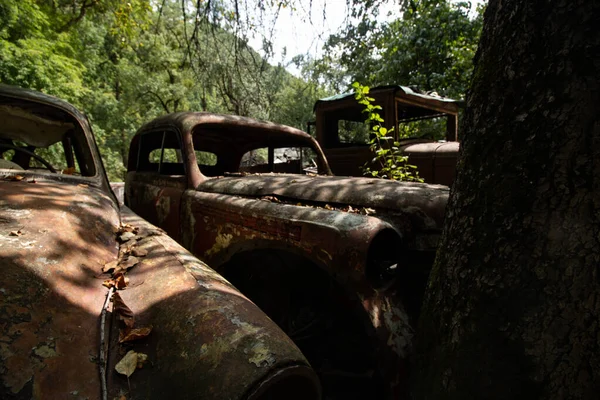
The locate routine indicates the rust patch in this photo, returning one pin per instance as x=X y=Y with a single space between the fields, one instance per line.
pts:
x=50 y=298
x=207 y=338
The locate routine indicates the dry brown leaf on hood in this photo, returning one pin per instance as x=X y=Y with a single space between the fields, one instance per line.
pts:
x=129 y=335
x=109 y=283
x=129 y=263
x=142 y=359
x=126 y=236
x=139 y=252
x=128 y=364
x=110 y=265
x=126 y=247
x=15 y=233
x=121 y=281
x=128 y=228
x=125 y=314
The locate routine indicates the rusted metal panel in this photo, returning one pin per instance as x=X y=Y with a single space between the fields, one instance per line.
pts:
x=209 y=341
x=206 y=132
x=157 y=199
x=57 y=232
x=436 y=162
x=220 y=226
x=50 y=298
x=426 y=202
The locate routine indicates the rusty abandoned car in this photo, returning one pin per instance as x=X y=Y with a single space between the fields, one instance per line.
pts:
x=339 y=263
x=60 y=228
x=428 y=122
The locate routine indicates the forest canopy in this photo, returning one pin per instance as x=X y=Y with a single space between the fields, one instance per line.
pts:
x=125 y=62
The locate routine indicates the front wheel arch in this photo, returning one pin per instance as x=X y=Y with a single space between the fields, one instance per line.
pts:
x=325 y=321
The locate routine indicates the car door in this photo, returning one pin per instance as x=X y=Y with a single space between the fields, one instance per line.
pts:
x=156 y=179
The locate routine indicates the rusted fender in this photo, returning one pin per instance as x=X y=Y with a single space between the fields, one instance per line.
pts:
x=217 y=226
x=426 y=202
x=54 y=240
x=208 y=340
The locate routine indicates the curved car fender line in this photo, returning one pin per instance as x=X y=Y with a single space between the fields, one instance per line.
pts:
x=208 y=339
x=212 y=222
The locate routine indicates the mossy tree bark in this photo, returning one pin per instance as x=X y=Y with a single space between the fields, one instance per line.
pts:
x=512 y=308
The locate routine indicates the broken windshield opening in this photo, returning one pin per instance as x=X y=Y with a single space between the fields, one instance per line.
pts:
x=39 y=138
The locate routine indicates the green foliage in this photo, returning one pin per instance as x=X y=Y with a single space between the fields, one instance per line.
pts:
x=388 y=161
x=125 y=62
x=430 y=46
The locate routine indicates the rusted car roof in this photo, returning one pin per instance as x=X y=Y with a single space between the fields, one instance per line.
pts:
x=187 y=120
x=210 y=133
x=399 y=91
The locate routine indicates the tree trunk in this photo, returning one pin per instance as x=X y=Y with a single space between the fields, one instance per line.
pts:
x=512 y=308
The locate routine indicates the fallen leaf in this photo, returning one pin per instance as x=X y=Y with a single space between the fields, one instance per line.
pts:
x=328 y=207
x=109 y=283
x=142 y=359
x=121 y=281
x=125 y=236
x=129 y=263
x=125 y=314
x=128 y=228
x=129 y=335
x=126 y=247
x=128 y=363
x=69 y=171
x=16 y=178
x=367 y=211
x=15 y=233
x=271 y=198
x=110 y=265
x=139 y=252
x=82 y=185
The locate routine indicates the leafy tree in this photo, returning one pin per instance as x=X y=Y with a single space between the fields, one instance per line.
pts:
x=34 y=55
x=430 y=46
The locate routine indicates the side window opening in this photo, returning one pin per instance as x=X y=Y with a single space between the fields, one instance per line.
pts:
x=353 y=132
x=160 y=152
x=291 y=160
x=346 y=128
x=419 y=123
x=205 y=158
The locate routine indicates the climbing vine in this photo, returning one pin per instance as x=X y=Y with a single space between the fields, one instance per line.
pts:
x=388 y=160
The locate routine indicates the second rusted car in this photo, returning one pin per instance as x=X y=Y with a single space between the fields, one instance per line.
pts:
x=338 y=263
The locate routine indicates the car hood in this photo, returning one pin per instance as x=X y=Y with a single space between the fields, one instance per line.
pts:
x=54 y=239
x=378 y=194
